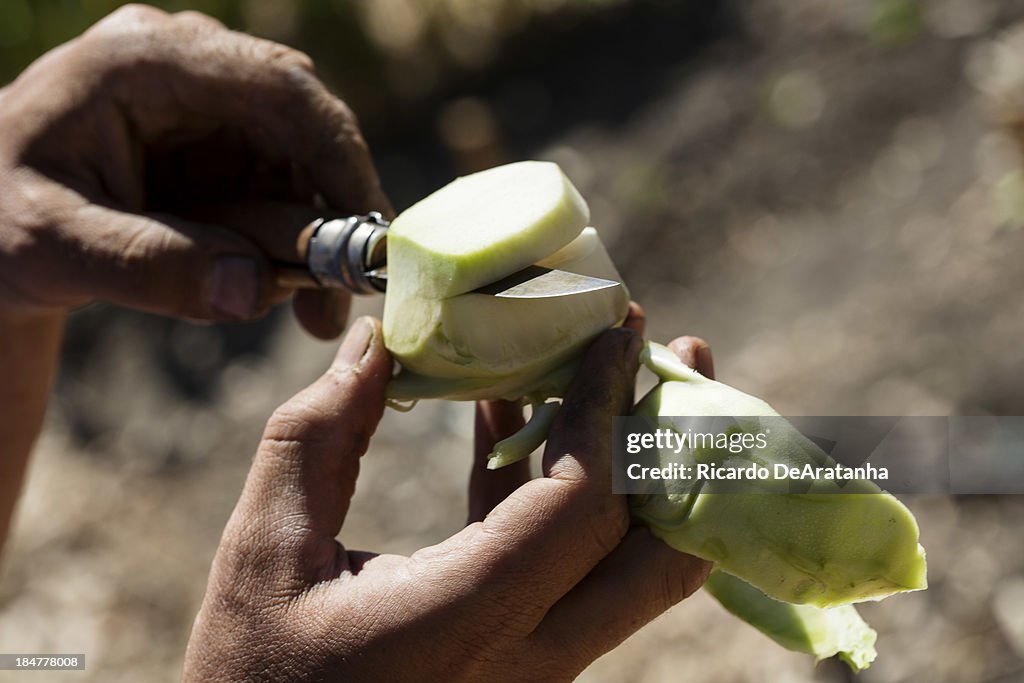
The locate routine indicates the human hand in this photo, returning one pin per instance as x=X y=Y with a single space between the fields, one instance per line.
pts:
x=497 y=420
x=159 y=161
x=550 y=580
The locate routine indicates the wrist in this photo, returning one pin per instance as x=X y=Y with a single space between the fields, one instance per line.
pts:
x=29 y=346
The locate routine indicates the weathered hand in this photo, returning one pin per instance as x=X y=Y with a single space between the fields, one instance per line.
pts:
x=552 y=578
x=159 y=160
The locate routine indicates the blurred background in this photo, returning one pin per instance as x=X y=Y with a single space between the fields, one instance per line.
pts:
x=827 y=191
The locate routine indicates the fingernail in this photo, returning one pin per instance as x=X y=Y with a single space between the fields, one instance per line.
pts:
x=234 y=286
x=356 y=343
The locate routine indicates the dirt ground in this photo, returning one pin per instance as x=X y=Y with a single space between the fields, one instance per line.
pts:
x=819 y=195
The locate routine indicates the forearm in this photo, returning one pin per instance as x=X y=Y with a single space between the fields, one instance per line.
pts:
x=29 y=347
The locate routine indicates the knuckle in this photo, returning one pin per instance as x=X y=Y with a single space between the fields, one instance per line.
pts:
x=344 y=114
x=28 y=222
x=348 y=126
x=288 y=58
x=312 y=418
x=285 y=68
x=603 y=519
x=606 y=529
x=354 y=139
x=136 y=13
x=194 y=20
x=131 y=18
x=337 y=126
x=291 y=422
x=145 y=244
x=127 y=33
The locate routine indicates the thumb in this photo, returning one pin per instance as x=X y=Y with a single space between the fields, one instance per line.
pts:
x=165 y=264
x=303 y=477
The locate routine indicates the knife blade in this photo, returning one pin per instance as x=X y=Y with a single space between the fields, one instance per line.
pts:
x=537 y=282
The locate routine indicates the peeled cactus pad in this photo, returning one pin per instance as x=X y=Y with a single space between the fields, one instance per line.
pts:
x=473 y=232
x=482 y=227
x=822 y=548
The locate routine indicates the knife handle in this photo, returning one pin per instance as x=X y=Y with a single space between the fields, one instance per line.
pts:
x=341 y=253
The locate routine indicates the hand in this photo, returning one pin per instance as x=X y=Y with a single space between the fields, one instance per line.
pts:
x=159 y=160
x=550 y=580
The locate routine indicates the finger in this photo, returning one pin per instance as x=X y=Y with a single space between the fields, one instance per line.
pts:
x=695 y=353
x=323 y=312
x=302 y=480
x=336 y=155
x=495 y=420
x=204 y=78
x=639 y=580
x=492 y=490
x=164 y=264
x=283 y=97
x=603 y=388
x=636 y=319
x=541 y=540
x=282 y=230
x=318 y=130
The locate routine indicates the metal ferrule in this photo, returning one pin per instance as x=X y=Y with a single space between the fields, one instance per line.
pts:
x=349 y=253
